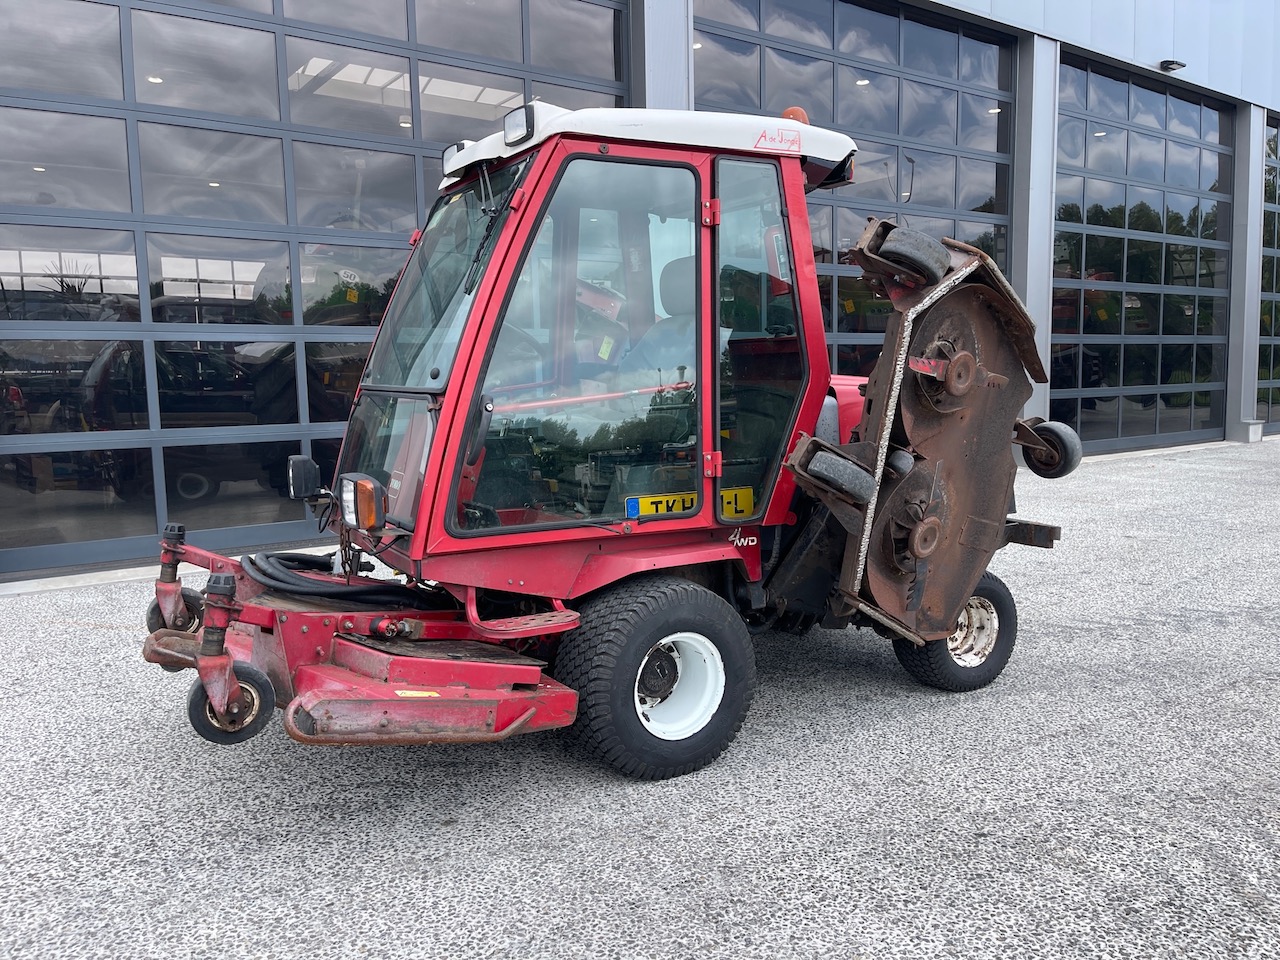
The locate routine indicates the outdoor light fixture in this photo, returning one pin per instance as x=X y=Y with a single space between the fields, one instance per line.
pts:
x=697 y=46
x=1169 y=66
x=861 y=83
x=155 y=79
x=406 y=120
x=38 y=169
x=214 y=183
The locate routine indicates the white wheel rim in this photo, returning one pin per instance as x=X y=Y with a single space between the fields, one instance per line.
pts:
x=696 y=693
x=976 y=633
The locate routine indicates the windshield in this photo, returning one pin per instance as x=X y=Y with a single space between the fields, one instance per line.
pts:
x=424 y=321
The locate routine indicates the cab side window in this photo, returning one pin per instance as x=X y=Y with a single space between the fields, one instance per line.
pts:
x=761 y=364
x=592 y=375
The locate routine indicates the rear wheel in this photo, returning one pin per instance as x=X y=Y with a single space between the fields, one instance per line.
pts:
x=664 y=671
x=979 y=649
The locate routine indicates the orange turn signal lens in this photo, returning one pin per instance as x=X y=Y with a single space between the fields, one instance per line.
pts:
x=364 y=501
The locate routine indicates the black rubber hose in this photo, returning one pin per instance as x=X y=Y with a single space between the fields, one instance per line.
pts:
x=279 y=571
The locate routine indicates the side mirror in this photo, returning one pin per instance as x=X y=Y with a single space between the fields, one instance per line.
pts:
x=304 y=478
x=363 y=500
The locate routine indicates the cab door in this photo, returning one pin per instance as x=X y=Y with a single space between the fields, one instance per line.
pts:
x=594 y=388
x=762 y=369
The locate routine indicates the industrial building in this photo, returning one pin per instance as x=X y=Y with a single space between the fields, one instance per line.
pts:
x=204 y=206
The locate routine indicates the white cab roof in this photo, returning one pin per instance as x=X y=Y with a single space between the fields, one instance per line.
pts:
x=723 y=131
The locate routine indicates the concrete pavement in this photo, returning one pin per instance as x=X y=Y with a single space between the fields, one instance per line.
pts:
x=1116 y=793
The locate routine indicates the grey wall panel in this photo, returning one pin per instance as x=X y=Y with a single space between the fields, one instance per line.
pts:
x=1227 y=45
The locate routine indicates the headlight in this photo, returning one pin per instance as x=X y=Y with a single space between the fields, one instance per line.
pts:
x=364 y=501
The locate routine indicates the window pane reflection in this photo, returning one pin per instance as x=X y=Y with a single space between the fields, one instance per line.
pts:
x=214 y=384
x=927 y=178
x=930 y=49
x=790 y=79
x=1146 y=107
x=178 y=61
x=738 y=13
x=1105 y=149
x=472 y=27
x=867 y=100
x=386 y=18
x=986 y=64
x=333 y=86
x=807 y=21
x=63 y=160
x=351 y=189
x=210 y=173
x=875 y=174
x=820 y=232
x=1066 y=310
x=984 y=123
x=229 y=484
x=1071 y=86
x=865 y=33
x=215 y=280
x=1146 y=156
x=1104 y=202
x=928 y=112
x=1108 y=97
x=71 y=386
x=348 y=285
x=1143 y=261
x=333 y=372
x=1069 y=196
x=1145 y=208
x=575 y=37
x=1103 y=258
x=1183 y=164
x=61 y=273
x=71 y=497
x=727 y=72
x=858 y=309
x=983 y=186
x=1070 y=142
x=572 y=98
x=82 y=39
x=460 y=104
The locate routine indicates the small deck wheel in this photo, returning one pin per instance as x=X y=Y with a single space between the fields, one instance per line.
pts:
x=188 y=618
x=978 y=650
x=244 y=719
x=1063 y=454
x=918 y=252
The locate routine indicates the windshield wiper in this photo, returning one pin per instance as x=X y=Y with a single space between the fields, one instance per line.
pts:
x=494 y=210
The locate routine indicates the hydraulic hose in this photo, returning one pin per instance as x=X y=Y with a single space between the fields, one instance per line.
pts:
x=280 y=571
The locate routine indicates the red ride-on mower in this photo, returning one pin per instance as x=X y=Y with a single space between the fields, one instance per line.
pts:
x=599 y=439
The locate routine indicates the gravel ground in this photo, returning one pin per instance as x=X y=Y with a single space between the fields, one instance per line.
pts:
x=1116 y=793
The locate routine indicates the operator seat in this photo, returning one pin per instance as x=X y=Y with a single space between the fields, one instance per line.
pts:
x=670 y=343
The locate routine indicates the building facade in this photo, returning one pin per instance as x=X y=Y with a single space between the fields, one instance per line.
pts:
x=204 y=206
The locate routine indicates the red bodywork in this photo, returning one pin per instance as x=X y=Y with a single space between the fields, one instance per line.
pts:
x=345 y=673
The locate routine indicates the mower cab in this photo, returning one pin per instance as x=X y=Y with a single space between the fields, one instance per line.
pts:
x=598 y=429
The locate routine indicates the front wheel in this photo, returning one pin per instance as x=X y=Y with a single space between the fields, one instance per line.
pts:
x=245 y=719
x=979 y=649
x=664 y=671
